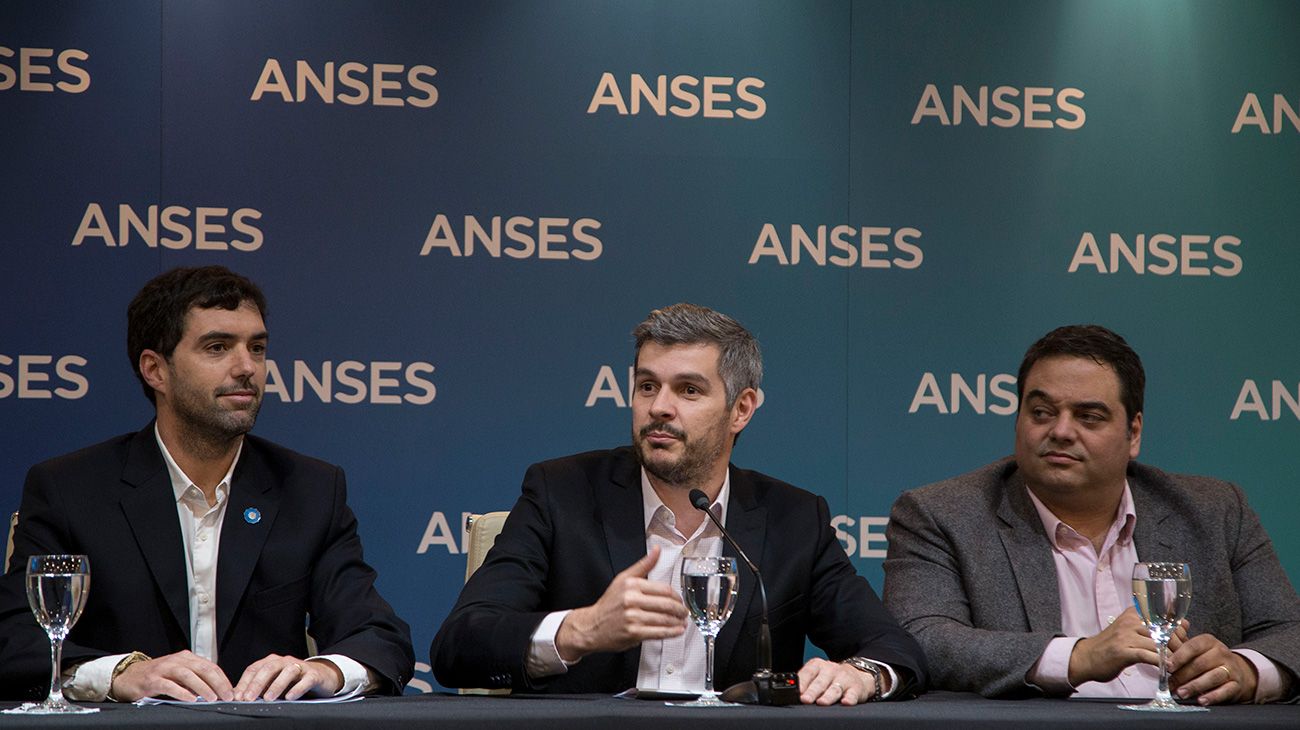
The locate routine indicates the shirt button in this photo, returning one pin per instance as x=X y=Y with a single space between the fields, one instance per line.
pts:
x=1110 y=619
x=203 y=598
x=671 y=669
x=203 y=537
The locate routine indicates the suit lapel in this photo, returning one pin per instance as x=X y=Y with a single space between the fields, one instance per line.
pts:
x=1153 y=533
x=149 y=503
x=1030 y=556
x=747 y=523
x=621 y=517
x=243 y=533
x=620 y=512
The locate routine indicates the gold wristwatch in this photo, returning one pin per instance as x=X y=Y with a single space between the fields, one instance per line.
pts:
x=134 y=657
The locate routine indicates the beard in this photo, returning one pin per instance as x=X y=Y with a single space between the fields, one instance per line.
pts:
x=698 y=454
x=206 y=423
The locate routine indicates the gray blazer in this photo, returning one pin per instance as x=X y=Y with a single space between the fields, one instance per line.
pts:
x=970 y=572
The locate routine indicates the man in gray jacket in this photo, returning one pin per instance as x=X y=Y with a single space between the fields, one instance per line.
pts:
x=1015 y=577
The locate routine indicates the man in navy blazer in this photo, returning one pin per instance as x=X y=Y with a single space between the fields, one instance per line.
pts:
x=154 y=511
x=581 y=591
x=1016 y=577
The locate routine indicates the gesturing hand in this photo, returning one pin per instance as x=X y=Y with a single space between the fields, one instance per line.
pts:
x=184 y=676
x=276 y=675
x=632 y=609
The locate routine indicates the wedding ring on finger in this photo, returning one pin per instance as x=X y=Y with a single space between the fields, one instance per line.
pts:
x=838 y=686
x=1227 y=672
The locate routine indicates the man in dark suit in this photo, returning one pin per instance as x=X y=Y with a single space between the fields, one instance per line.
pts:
x=1016 y=577
x=155 y=510
x=581 y=592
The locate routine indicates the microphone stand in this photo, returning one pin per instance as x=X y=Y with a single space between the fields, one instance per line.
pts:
x=767 y=687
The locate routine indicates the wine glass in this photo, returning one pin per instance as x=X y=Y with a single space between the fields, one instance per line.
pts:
x=1162 y=593
x=56 y=590
x=709 y=589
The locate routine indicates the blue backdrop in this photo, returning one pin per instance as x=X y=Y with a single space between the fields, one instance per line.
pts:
x=459 y=211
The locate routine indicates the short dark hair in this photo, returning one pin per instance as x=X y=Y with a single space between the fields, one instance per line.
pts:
x=740 y=363
x=155 y=319
x=1103 y=347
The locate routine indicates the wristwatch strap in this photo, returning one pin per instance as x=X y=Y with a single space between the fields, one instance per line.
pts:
x=866 y=665
x=134 y=657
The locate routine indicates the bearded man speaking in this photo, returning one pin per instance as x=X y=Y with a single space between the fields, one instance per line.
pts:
x=581 y=592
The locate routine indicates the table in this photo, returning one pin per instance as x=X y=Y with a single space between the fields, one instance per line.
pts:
x=443 y=711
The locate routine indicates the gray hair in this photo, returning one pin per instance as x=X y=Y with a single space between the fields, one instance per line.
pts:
x=740 y=363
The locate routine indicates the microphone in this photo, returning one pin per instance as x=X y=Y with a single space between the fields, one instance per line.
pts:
x=766 y=688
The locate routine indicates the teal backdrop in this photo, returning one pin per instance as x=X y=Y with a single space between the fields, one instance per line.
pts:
x=459 y=211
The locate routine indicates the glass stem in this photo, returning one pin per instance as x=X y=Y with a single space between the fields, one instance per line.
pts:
x=56 y=687
x=708 y=664
x=1162 y=689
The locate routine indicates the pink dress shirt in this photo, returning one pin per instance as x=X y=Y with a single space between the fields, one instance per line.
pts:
x=1094 y=589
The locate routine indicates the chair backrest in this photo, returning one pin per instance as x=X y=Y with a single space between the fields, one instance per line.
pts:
x=483 y=531
x=9 y=546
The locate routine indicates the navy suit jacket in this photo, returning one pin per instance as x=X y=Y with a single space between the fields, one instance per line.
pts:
x=114 y=502
x=580 y=521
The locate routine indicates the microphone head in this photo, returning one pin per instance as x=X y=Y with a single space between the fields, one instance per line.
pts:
x=699 y=500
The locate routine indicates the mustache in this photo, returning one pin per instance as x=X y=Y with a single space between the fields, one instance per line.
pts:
x=1047 y=448
x=662 y=427
x=246 y=385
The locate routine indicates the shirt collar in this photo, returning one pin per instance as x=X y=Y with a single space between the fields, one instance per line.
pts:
x=182 y=483
x=651 y=504
x=1122 y=526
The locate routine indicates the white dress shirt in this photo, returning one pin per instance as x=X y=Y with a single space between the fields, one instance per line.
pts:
x=677 y=663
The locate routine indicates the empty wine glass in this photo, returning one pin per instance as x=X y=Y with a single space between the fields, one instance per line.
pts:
x=1162 y=594
x=56 y=590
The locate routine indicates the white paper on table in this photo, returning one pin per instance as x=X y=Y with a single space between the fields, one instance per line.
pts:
x=354 y=696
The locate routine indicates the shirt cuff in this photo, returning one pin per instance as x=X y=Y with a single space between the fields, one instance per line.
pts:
x=544 y=659
x=1272 y=685
x=357 y=677
x=1051 y=673
x=90 y=681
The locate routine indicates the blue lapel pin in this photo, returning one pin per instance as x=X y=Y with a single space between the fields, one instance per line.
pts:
x=252 y=516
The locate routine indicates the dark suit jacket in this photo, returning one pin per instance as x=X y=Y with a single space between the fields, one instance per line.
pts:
x=114 y=502
x=970 y=572
x=580 y=521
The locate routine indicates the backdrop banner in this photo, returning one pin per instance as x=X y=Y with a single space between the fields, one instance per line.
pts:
x=459 y=211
